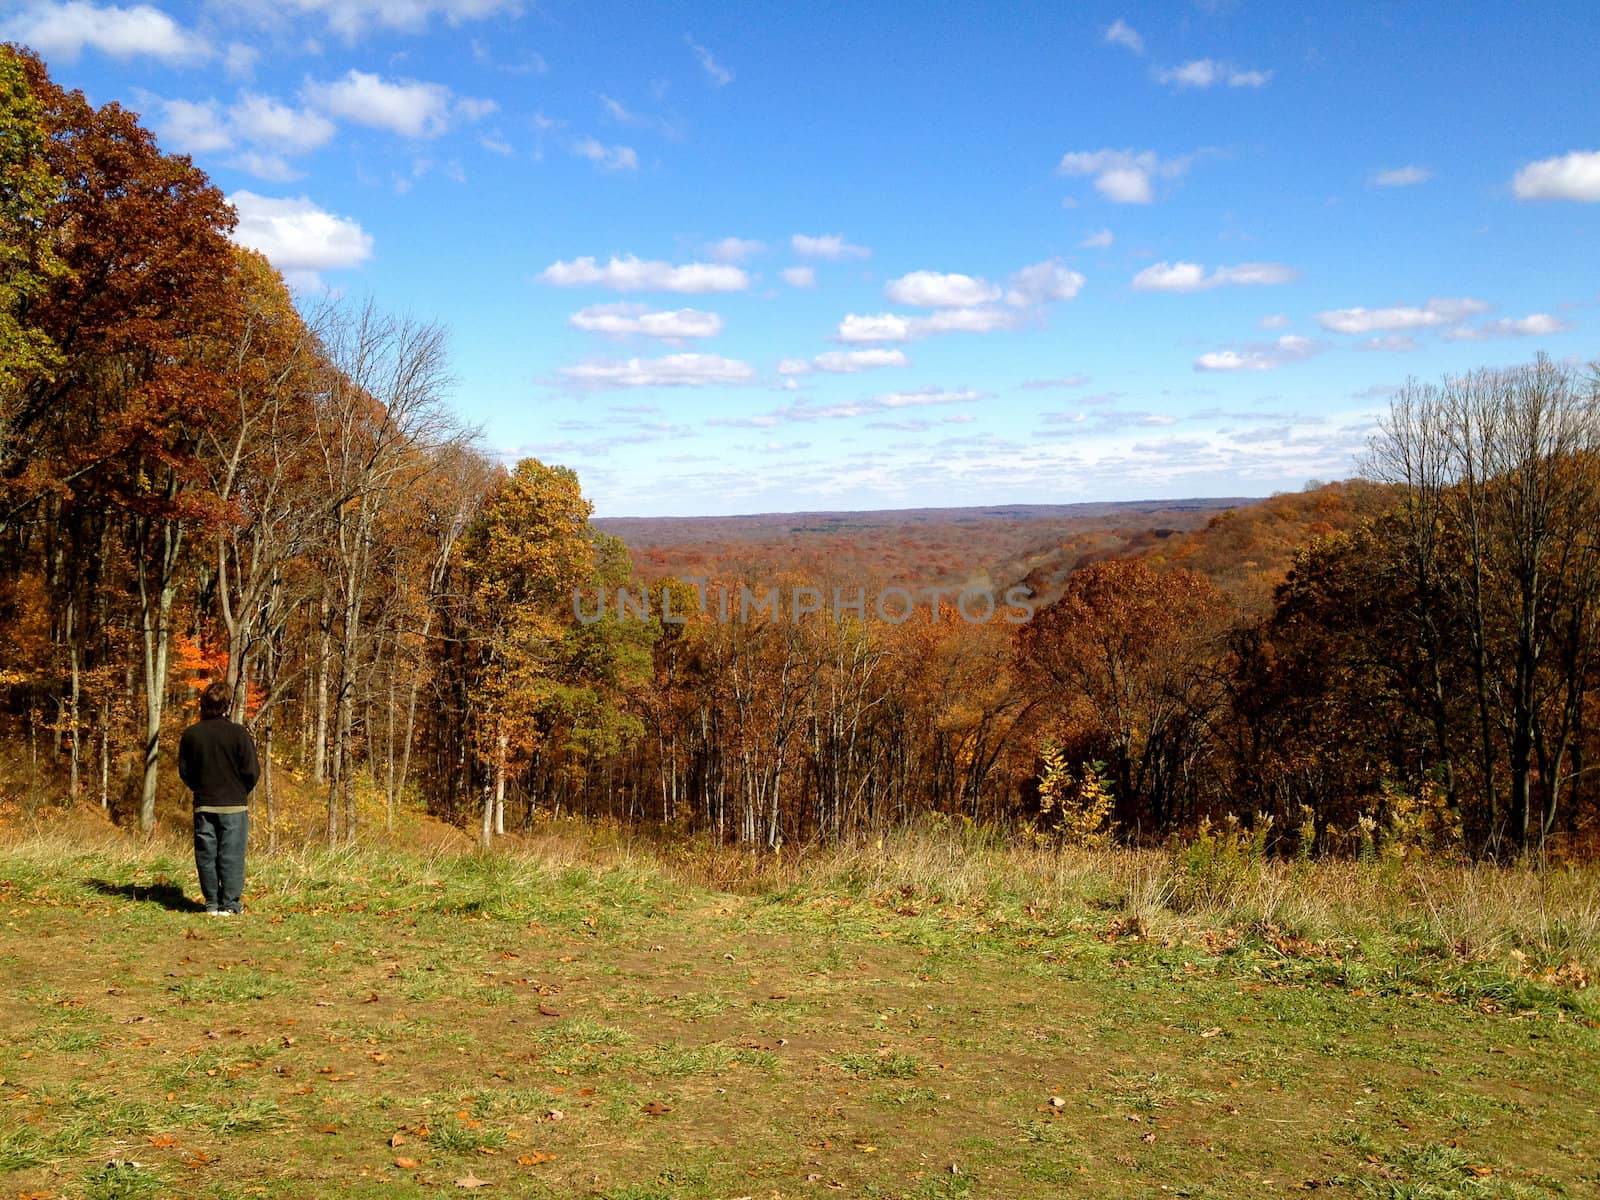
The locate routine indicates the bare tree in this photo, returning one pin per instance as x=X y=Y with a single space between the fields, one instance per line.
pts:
x=382 y=414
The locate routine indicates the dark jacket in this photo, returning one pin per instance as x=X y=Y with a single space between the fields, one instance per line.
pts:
x=217 y=759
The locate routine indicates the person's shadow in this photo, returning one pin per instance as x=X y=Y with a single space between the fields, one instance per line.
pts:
x=169 y=895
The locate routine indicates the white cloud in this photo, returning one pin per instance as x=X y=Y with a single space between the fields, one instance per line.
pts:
x=1258 y=357
x=715 y=71
x=64 y=30
x=1123 y=176
x=201 y=127
x=800 y=277
x=928 y=396
x=969 y=300
x=962 y=320
x=675 y=370
x=1533 y=325
x=1275 y=321
x=239 y=61
x=271 y=167
x=617 y=111
x=1042 y=283
x=189 y=126
x=735 y=250
x=878 y=327
x=832 y=412
x=931 y=289
x=1120 y=33
x=1434 y=313
x=1207 y=72
x=607 y=158
x=827 y=245
x=1574 y=176
x=635 y=275
x=1192 y=277
x=1393 y=343
x=850 y=361
x=352 y=19
x=1097 y=241
x=622 y=115
x=892 y=327
x=265 y=121
x=1171 y=277
x=1065 y=381
x=1402 y=176
x=405 y=106
x=473 y=108
x=298 y=237
x=621 y=319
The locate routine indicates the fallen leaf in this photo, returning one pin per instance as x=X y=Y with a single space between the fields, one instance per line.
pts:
x=534 y=1159
x=555 y=1114
x=406 y=1164
x=655 y=1108
x=163 y=1140
x=469 y=1180
x=1212 y=1032
x=397 y=1140
x=546 y=1011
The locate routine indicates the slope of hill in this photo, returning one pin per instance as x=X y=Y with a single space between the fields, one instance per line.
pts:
x=1246 y=550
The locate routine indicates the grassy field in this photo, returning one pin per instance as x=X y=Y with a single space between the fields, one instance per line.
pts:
x=936 y=1017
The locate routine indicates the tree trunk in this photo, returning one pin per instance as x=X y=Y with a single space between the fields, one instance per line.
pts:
x=319 y=754
x=155 y=602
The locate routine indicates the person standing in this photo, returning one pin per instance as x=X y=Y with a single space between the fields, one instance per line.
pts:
x=217 y=760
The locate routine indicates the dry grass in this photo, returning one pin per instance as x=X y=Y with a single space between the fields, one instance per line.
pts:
x=1530 y=917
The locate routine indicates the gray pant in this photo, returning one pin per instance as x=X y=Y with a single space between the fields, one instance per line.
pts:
x=219 y=840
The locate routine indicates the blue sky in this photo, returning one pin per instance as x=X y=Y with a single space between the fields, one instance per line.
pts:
x=768 y=257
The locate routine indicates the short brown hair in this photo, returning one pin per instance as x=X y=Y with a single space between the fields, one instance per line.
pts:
x=216 y=700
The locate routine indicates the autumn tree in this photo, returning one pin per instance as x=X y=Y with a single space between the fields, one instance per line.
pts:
x=1505 y=466
x=522 y=560
x=1123 y=658
x=28 y=257
x=109 y=435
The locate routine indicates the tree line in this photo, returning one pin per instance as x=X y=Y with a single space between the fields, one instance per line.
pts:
x=199 y=476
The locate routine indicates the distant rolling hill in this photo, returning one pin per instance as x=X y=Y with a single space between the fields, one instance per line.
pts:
x=1243 y=544
x=986 y=546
